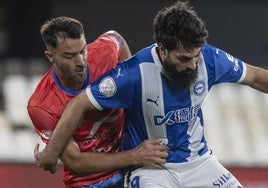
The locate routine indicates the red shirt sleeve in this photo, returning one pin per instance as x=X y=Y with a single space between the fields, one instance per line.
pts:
x=114 y=40
x=104 y=52
x=43 y=122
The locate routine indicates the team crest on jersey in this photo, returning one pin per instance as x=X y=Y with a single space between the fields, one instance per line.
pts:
x=107 y=86
x=199 y=88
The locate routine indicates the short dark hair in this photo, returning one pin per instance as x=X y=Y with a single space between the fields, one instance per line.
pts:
x=63 y=27
x=179 y=26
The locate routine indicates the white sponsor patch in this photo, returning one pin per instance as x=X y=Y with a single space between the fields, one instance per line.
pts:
x=107 y=86
x=46 y=134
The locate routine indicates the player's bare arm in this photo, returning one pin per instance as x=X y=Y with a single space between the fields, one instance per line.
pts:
x=149 y=153
x=256 y=78
x=67 y=125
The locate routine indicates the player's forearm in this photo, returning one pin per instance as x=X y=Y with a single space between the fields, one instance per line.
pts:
x=149 y=153
x=256 y=78
x=65 y=128
x=100 y=162
x=261 y=82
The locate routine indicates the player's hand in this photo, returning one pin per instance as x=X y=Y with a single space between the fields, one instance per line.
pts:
x=151 y=153
x=44 y=161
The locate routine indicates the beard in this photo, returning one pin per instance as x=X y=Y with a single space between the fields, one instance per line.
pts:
x=182 y=79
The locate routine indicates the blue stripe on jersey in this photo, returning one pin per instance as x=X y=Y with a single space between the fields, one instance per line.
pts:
x=155 y=107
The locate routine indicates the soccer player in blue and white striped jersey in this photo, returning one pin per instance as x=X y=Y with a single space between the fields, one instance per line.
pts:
x=162 y=89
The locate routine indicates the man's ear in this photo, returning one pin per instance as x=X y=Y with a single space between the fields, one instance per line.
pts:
x=162 y=50
x=49 y=56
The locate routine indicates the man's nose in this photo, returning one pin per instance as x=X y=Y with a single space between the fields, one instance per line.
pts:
x=80 y=60
x=192 y=64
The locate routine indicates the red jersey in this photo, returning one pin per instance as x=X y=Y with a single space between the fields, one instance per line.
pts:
x=100 y=131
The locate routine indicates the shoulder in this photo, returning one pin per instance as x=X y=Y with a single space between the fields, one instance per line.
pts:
x=209 y=50
x=111 y=37
x=47 y=95
x=213 y=54
x=42 y=87
x=107 y=44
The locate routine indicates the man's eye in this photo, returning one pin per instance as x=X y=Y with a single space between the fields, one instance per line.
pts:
x=185 y=59
x=69 y=57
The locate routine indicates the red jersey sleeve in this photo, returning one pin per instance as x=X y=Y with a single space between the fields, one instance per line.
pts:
x=115 y=41
x=104 y=52
x=43 y=122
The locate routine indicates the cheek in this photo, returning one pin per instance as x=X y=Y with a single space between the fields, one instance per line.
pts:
x=176 y=64
x=179 y=66
x=85 y=58
x=67 y=67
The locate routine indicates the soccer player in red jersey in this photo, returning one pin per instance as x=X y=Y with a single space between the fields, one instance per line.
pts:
x=92 y=157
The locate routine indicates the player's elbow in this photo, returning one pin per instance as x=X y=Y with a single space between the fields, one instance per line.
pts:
x=77 y=168
x=72 y=160
x=75 y=165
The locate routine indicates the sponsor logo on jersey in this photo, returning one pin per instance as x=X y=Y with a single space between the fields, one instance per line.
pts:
x=46 y=134
x=234 y=60
x=119 y=73
x=177 y=116
x=153 y=101
x=199 y=88
x=107 y=86
x=236 y=66
x=226 y=180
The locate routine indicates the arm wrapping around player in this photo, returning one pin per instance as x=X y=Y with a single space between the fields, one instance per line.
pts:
x=84 y=161
x=150 y=153
x=65 y=128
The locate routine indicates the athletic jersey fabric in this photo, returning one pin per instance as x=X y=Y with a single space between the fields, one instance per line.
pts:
x=99 y=131
x=156 y=108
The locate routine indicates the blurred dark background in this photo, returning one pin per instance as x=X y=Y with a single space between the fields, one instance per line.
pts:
x=238 y=26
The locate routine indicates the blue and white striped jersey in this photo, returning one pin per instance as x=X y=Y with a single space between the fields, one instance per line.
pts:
x=156 y=108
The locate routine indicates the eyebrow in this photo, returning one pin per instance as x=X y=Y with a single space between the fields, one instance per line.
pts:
x=74 y=53
x=184 y=58
x=198 y=53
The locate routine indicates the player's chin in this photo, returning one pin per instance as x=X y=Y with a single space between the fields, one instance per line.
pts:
x=80 y=77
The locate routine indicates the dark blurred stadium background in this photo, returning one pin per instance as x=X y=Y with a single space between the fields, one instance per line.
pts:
x=236 y=117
